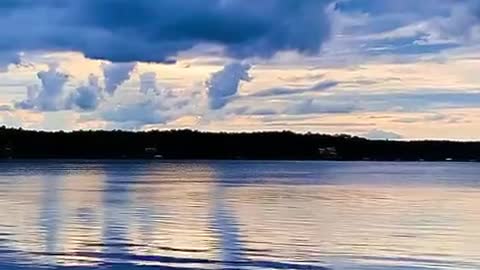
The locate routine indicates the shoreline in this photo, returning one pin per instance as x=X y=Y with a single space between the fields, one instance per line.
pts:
x=196 y=145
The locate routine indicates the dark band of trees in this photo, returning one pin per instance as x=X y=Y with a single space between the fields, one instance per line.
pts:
x=187 y=144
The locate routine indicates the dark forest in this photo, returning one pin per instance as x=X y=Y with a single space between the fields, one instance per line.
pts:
x=188 y=144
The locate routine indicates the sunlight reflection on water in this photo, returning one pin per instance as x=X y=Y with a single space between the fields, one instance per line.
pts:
x=239 y=215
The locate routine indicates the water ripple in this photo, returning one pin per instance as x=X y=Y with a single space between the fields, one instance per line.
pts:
x=238 y=215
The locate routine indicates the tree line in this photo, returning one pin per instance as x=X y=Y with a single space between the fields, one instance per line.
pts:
x=189 y=144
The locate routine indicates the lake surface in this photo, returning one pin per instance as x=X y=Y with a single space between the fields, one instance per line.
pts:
x=239 y=215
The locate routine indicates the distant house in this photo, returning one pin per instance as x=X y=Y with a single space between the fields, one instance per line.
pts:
x=151 y=150
x=328 y=152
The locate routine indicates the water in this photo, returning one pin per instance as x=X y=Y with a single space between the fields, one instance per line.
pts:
x=239 y=215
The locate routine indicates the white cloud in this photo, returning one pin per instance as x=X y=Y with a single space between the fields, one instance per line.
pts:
x=50 y=95
x=148 y=82
x=378 y=134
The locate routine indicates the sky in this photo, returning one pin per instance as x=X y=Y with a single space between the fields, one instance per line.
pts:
x=381 y=69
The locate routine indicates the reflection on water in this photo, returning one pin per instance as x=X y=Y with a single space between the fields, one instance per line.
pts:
x=239 y=215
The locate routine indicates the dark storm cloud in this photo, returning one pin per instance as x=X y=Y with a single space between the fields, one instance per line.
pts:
x=382 y=7
x=156 y=31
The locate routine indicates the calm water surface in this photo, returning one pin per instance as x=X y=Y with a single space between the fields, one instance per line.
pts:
x=239 y=215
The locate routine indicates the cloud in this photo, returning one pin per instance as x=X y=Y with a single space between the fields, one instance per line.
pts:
x=137 y=114
x=156 y=31
x=253 y=110
x=418 y=100
x=281 y=91
x=458 y=24
x=389 y=8
x=223 y=85
x=116 y=74
x=461 y=26
x=148 y=82
x=366 y=35
x=321 y=106
x=402 y=31
x=8 y=58
x=86 y=97
x=149 y=110
x=427 y=118
x=50 y=95
x=378 y=134
x=5 y=108
x=152 y=106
